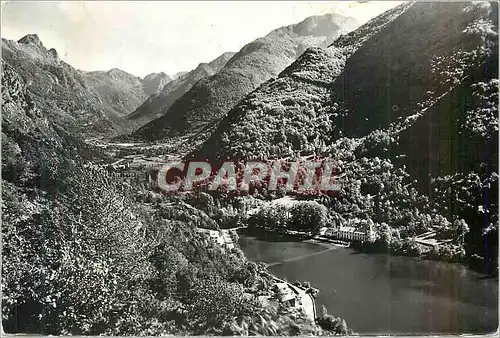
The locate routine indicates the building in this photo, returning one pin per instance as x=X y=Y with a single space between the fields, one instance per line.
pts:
x=222 y=237
x=355 y=230
x=228 y=240
x=328 y=231
x=352 y=234
x=284 y=294
x=293 y=297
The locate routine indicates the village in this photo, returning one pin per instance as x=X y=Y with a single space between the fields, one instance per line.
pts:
x=286 y=296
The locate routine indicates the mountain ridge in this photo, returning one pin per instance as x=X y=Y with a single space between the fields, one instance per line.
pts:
x=255 y=63
x=174 y=89
x=92 y=103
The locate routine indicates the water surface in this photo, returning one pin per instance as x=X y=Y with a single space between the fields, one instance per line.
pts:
x=377 y=293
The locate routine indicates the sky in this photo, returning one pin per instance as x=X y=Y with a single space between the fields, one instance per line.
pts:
x=153 y=36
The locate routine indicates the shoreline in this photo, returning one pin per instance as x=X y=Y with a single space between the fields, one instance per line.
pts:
x=315 y=274
x=469 y=262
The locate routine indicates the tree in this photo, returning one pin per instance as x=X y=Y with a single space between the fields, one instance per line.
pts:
x=323 y=312
x=215 y=303
x=385 y=237
x=273 y=217
x=343 y=329
x=332 y=324
x=411 y=247
x=307 y=216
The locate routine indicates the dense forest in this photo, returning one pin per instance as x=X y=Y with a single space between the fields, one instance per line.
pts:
x=80 y=255
x=406 y=105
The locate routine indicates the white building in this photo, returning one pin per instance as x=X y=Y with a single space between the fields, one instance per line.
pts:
x=352 y=234
x=355 y=230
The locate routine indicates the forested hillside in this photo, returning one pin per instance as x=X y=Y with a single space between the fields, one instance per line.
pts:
x=81 y=256
x=411 y=95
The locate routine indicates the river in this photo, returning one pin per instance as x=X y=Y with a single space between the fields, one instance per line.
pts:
x=383 y=294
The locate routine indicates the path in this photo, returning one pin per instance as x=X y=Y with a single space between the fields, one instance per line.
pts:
x=308 y=302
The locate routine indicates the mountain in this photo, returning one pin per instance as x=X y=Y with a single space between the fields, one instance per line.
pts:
x=372 y=78
x=123 y=91
x=285 y=114
x=154 y=106
x=60 y=89
x=153 y=83
x=27 y=135
x=408 y=107
x=209 y=99
x=177 y=75
x=91 y=103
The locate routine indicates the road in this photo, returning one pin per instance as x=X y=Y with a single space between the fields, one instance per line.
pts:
x=308 y=302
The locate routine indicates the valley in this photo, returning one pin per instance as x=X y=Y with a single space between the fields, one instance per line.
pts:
x=405 y=105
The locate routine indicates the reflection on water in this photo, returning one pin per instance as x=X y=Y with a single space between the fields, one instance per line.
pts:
x=378 y=293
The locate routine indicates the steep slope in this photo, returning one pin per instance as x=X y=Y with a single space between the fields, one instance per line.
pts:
x=254 y=64
x=372 y=78
x=293 y=113
x=152 y=108
x=92 y=103
x=58 y=88
x=27 y=135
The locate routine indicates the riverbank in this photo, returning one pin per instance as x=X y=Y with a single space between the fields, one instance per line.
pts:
x=470 y=262
x=266 y=233
x=384 y=294
x=305 y=299
x=477 y=265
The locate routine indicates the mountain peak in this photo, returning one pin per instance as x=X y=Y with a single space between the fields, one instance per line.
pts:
x=154 y=82
x=116 y=71
x=119 y=74
x=31 y=39
x=322 y=25
x=152 y=76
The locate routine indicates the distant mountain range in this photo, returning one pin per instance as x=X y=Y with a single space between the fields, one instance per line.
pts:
x=205 y=102
x=113 y=102
x=157 y=103
x=124 y=91
x=91 y=103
